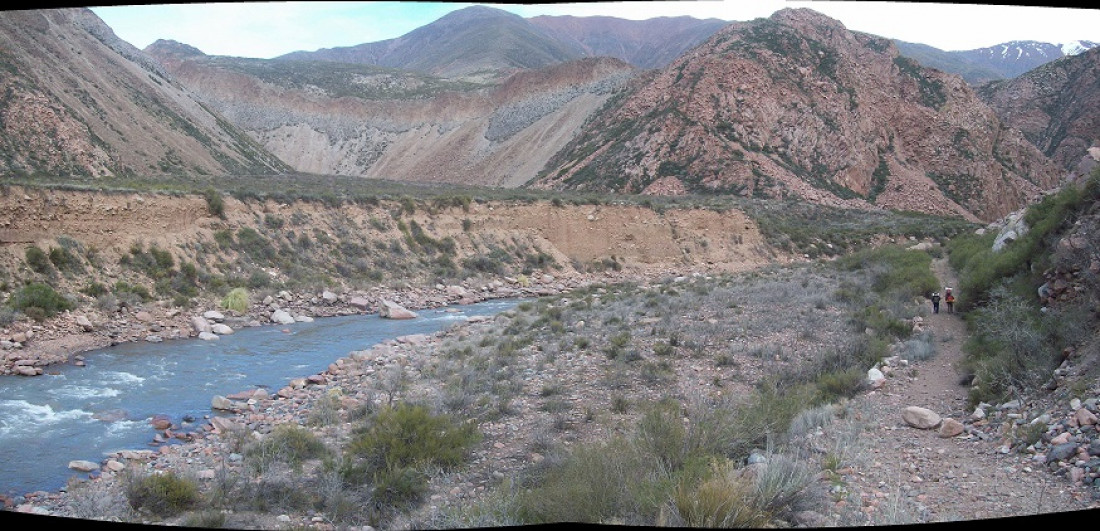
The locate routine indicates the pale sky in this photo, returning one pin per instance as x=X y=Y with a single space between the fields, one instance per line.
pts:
x=269 y=29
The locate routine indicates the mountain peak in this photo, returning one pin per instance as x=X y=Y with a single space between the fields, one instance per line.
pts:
x=171 y=48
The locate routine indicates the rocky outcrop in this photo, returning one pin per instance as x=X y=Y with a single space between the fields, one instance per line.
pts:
x=798 y=106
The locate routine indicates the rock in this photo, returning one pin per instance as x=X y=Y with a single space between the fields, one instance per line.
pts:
x=950 y=428
x=84 y=323
x=213 y=315
x=200 y=324
x=282 y=317
x=1085 y=417
x=160 y=422
x=875 y=378
x=83 y=466
x=208 y=336
x=222 y=403
x=920 y=418
x=359 y=302
x=303 y=319
x=144 y=316
x=328 y=296
x=391 y=310
x=1061 y=452
x=221 y=329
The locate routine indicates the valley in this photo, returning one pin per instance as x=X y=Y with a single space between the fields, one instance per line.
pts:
x=720 y=240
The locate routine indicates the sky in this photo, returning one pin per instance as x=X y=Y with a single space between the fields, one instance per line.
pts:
x=270 y=29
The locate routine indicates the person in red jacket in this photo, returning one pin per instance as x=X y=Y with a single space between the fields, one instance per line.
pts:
x=949 y=298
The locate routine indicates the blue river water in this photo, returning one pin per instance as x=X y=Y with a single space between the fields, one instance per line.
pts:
x=88 y=412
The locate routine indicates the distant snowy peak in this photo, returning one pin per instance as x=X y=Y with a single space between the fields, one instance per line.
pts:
x=1077 y=47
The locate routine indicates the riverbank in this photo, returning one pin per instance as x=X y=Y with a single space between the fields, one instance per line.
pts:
x=29 y=348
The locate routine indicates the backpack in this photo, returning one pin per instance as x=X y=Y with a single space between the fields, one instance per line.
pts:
x=949 y=298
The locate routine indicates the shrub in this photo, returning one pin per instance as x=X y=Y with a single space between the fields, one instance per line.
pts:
x=236 y=300
x=287 y=443
x=39 y=301
x=37 y=259
x=162 y=494
x=215 y=204
x=399 y=440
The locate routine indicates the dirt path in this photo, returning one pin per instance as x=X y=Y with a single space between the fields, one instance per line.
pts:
x=896 y=474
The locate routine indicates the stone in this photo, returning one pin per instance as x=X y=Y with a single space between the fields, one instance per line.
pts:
x=200 y=324
x=144 y=316
x=222 y=403
x=83 y=466
x=1085 y=417
x=920 y=418
x=328 y=296
x=160 y=422
x=208 y=336
x=84 y=323
x=359 y=302
x=950 y=428
x=392 y=310
x=282 y=317
x=1061 y=452
x=221 y=329
x=214 y=316
x=875 y=378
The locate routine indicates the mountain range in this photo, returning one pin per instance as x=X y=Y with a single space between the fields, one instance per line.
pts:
x=794 y=105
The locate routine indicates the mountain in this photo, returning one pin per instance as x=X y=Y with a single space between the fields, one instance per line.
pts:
x=798 y=106
x=1003 y=61
x=650 y=43
x=484 y=41
x=79 y=101
x=353 y=119
x=1056 y=106
x=469 y=41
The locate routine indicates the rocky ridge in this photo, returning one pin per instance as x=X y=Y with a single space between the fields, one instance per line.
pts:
x=798 y=106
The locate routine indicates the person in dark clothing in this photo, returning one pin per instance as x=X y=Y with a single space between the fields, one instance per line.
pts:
x=949 y=298
x=936 y=302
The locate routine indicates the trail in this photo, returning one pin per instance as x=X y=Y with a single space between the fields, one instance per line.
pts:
x=896 y=474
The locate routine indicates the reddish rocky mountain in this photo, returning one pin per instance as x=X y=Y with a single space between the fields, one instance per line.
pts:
x=1056 y=106
x=798 y=106
x=80 y=102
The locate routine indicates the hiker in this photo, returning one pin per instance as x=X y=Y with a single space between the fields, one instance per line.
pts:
x=936 y=302
x=949 y=298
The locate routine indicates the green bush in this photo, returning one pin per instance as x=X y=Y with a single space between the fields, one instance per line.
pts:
x=215 y=204
x=39 y=301
x=162 y=494
x=37 y=259
x=236 y=300
x=393 y=446
x=287 y=443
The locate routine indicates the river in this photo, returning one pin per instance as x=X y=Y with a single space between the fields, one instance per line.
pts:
x=88 y=412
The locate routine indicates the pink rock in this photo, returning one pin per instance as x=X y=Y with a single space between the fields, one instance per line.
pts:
x=1085 y=417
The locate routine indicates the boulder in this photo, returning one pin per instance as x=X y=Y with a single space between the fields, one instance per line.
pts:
x=282 y=317
x=951 y=428
x=920 y=418
x=83 y=466
x=208 y=336
x=144 y=316
x=160 y=422
x=328 y=296
x=214 y=316
x=222 y=403
x=391 y=310
x=84 y=323
x=221 y=329
x=200 y=324
x=359 y=302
